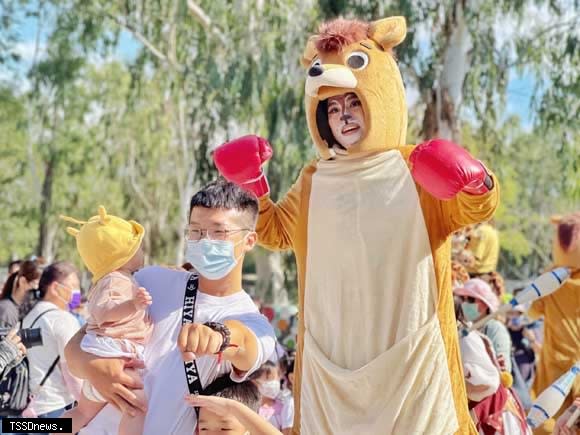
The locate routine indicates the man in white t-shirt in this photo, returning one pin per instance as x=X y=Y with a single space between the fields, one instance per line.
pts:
x=220 y=233
x=57 y=284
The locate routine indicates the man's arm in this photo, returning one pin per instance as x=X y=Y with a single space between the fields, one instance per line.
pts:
x=245 y=353
x=251 y=341
x=107 y=375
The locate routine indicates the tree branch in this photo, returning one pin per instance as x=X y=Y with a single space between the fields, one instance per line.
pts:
x=138 y=35
x=133 y=180
x=205 y=20
x=199 y=14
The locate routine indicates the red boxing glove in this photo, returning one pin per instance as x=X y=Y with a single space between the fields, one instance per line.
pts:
x=444 y=169
x=240 y=161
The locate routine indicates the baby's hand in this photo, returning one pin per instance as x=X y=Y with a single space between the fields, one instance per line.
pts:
x=142 y=299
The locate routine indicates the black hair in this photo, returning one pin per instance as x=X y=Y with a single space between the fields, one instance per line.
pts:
x=290 y=365
x=323 y=126
x=55 y=272
x=459 y=316
x=28 y=269
x=221 y=194
x=14 y=263
x=245 y=392
x=266 y=368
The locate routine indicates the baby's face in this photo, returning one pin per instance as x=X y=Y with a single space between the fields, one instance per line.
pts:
x=213 y=424
x=137 y=261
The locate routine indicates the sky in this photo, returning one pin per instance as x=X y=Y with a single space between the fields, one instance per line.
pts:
x=519 y=90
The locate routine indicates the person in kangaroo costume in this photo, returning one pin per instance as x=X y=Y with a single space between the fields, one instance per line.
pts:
x=370 y=222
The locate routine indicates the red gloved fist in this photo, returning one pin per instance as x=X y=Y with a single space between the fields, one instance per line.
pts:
x=444 y=169
x=240 y=161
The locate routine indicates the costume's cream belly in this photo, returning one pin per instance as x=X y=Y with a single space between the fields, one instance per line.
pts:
x=374 y=360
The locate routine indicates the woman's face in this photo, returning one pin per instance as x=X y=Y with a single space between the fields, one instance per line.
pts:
x=346 y=119
x=65 y=287
x=26 y=285
x=473 y=308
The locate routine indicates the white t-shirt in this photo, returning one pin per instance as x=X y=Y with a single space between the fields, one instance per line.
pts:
x=58 y=327
x=165 y=382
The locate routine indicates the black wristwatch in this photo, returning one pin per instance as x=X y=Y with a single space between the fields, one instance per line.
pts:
x=224 y=331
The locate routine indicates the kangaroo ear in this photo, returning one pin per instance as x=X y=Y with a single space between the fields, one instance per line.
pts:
x=388 y=32
x=309 y=52
x=555 y=219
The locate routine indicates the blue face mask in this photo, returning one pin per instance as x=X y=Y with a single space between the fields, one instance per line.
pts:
x=470 y=311
x=213 y=259
x=516 y=322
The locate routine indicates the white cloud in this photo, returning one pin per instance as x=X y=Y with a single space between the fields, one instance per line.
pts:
x=27 y=50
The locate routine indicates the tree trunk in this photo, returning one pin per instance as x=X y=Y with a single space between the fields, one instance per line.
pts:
x=46 y=232
x=270 y=283
x=444 y=100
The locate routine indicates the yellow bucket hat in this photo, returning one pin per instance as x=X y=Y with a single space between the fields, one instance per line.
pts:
x=106 y=242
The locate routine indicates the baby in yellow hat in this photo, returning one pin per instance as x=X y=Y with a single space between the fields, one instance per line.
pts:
x=118 y=325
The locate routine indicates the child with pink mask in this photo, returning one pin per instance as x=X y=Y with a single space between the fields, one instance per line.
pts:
x=276 y=407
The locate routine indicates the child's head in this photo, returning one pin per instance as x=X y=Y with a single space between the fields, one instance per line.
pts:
x=267 y=377
x=107 y=243
x=210 y=423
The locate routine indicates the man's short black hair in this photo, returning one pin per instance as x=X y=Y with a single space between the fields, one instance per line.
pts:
x=245 y=392
x=221 y=194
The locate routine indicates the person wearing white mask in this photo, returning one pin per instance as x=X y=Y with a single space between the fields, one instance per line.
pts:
x=479 y=300
x=224 y=336
x=277 y=408
x=47 y=363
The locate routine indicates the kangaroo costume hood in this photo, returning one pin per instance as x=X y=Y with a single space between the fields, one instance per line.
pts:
x=374 y=77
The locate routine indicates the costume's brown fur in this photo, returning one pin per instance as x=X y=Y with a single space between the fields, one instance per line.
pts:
x=334 y=35
x=569 y=231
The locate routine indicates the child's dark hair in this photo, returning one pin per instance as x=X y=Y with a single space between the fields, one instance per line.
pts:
x=267 y=368
x=221 y=194
x=245 y=392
